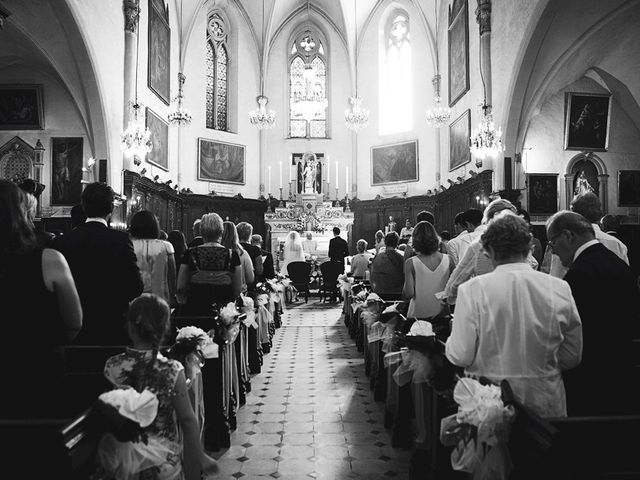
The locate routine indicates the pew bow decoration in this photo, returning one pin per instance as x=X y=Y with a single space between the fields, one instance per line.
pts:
x=193 y=346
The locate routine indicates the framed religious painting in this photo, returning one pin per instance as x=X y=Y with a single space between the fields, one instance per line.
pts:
x=21 y=107
x=158 y=69
x=459 y=133
x=629 y=188
x=220 y=162
x=159 y=155
x=542 y=193
x=395 y=163
x=66 y=170
x=587 y=121
x=458 y=50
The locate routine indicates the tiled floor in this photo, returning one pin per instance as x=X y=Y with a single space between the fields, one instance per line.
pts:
x=310 y=413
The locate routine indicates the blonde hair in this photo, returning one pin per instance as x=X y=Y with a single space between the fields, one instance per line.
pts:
x=211 y=227
x=148 y=318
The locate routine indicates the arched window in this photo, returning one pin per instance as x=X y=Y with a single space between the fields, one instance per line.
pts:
x=396 y=87
x=307 y=87
x=217 y=64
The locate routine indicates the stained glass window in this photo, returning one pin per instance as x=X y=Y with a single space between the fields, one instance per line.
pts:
x=307 y=87
x=396 y=89
x=217 y=62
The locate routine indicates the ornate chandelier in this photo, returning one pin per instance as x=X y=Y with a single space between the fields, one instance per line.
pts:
x=136 y=139
x=356 y=117
x=486 y=141
x=439 y=115
x=179 y=115
x=261 y=117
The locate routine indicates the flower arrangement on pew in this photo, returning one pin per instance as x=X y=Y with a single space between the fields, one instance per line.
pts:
x=125 y=448
x=229 y=318
x=192 y=347
x=480 y=430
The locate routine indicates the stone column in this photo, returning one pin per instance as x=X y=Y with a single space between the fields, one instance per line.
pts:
x=483 y=17
x=131 y=9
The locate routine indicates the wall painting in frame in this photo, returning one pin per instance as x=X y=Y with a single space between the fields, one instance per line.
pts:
x=587 y=121
x=159 y=154
x=542 y=193
x=629 y=188
x=66 y=170
x=458 y=50
x=220 y=162
x=21 y=107
x=158 y=69
x=459 y=133
x=394 y=163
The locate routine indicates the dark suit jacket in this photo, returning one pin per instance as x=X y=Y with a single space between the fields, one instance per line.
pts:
x=268 y=271
x=196 y=242
x=338 y=249
x=606 y=296
x=107 y=277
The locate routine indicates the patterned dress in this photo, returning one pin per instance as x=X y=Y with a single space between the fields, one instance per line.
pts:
x=133 y=369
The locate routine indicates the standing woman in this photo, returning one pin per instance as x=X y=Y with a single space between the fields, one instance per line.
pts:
x=379 y=241
x=176 y=238
x=292 y=252
x=40 y=305
x=231 y=240
x=426 y=273
x=154 y=256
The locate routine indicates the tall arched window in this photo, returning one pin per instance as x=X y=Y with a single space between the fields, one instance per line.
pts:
x=396 y=87
x=217 y=64
x=307 y=87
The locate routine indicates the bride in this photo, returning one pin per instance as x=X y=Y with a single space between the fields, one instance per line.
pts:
x=292 y=251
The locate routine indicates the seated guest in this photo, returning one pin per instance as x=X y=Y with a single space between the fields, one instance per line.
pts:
x=605 y=292
x=104 y=268
x=423 y=216
x=475 y=262
x=338 y=248
x=309 y=245
x=142 y=366
x=155 y=257
x=40 y=305
x=405 y=233
x=292 y=251
x=387 y=269
x=360 y=261
x=268 y=270
x=426 y=273
x=379 y=241
x=210 y=273
x=517 y=324
x=176 y=238
x=245 y=230
x=197 y=237
x=230 y=240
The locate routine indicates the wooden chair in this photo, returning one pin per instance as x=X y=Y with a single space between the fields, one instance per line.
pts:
x=330 y=271
x=299 y=275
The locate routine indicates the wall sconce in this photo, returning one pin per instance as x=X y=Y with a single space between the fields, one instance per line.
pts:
x=460 y=179
x=442 y=188
x=478 y=162
x=143 y=171
x=156 y=178
x=472 y=173
x=168 y=182
x=429 y=193
x=451 y=182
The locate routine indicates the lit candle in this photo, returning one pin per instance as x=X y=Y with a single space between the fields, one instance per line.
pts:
x=346 y=181
x=269 y=184
x=336 y=174
x=280 y=176
x=328 y=170
x=290 y=162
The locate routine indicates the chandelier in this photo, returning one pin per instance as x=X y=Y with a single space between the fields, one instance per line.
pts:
x=179 y=115
x=136 y=139
x=439 y=115
x=261 y=117
x=486 y=141
x=356 y=117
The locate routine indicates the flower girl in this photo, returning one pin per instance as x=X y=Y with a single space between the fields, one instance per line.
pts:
x=143 y=367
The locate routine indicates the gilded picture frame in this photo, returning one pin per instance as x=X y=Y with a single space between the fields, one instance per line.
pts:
x=221 y=162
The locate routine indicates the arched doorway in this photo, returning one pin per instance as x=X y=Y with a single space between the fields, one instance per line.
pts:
x=586 y=167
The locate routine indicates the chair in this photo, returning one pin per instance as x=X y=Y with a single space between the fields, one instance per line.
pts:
x=299 y=275
x=330 y=271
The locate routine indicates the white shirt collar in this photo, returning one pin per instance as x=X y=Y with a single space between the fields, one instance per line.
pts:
x=596 y=227
x=97 y=219
x=583 y=247
x=513 y=266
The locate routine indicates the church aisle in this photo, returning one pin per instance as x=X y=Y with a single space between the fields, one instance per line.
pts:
x=310 y=413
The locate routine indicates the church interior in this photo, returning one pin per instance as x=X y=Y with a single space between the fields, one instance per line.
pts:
x=311 y=121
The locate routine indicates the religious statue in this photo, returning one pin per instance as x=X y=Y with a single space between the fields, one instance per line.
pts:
x=309 y=174
x=582 y=185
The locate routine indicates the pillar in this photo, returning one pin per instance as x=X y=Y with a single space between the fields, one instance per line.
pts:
x=483 y=17
x=131 y=9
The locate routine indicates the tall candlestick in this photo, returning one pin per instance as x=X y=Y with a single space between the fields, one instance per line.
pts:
x=280 y=173
x=336 y=175
x=290 y=163
x=269 y=185
x=346 y=182
x=328 y=170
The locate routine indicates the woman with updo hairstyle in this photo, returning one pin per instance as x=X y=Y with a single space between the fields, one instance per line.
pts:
x=231 y=240
x=426 y=273
x=144 y=367
x=360 y=262
x=517 y=324
x=210 y=273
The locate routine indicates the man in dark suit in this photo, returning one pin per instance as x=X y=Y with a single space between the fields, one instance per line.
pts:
x=338 y=248
x=268 y=271
x=606 y=296
x=197 y=238
x=245 y=230
x=104 y=268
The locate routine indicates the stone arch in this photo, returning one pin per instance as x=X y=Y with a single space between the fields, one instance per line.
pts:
x=602 y=176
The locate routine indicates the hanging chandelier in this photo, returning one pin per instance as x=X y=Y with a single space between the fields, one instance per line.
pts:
x=356 y=117
x=486 y=141
x=439 y=115
x=136 y=139
x=261 y=117
x=179 y=115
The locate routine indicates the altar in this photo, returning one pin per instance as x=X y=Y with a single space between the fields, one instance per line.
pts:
x=308 y=213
